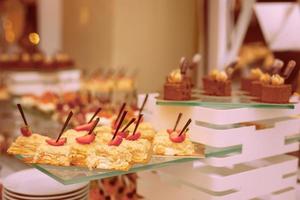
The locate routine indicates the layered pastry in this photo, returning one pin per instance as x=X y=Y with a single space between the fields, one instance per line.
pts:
x=53 y=155
x=256 y=86
x=82 y=145
x=217 y=83
x=141 y=149
x=277 y=91
x=247 y=81
x=173 y=141
x=163 y=145
x=55 y=151
x=27 y=145
x=109 y=157
x=146 y=129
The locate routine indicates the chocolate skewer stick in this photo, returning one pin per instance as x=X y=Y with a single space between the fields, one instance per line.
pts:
x=185 y=126
x=22 y=114
x=128 y=124
x=289 y=69
x=144 y=103
x=94 y=126
x=120 y=123
x=177 y=121
x=65 y=125
x=95 y=114
x=137 y=124
x=120 y=113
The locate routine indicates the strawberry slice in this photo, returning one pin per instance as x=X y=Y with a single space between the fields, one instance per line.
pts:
x=174 y=137
x=123 y=134
x=133 y=137
x=60 y=142
x=85 y=127
x=25 y=130
x=116 y=141
x=87 y=139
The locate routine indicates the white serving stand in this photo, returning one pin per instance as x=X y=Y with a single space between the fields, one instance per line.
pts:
x=261 y=170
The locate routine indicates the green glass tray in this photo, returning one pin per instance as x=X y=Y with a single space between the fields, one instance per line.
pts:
x=238 y=99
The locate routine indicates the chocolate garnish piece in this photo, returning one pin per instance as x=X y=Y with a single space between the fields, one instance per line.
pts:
x=95 y=114
x=277 y=66
x=128 y=124
x=177 y=121
x=22 y=114
x=119 y=124
x=137 y=124
x=94 y=126
x=120 y=113
x=185 y=127
x=289 y=69
x=144 y=103
x=65 y=125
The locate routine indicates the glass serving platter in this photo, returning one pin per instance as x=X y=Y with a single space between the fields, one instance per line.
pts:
x=238 y=99
x=72 y=174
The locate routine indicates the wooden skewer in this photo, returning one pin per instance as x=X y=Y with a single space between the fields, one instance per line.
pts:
x=95 y=114
x=65 y=125
x=185 y=127
x=137 y=124
x=119 y=125
x=177 y=121
x=22 y=114
x=94 y=126
x=128 y=124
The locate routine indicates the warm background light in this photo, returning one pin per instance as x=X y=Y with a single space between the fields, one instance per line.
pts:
x=34 y=38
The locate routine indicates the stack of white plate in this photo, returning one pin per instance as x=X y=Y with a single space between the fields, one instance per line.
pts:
x=33 y=185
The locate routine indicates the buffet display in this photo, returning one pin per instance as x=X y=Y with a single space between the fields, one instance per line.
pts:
x=116 y=147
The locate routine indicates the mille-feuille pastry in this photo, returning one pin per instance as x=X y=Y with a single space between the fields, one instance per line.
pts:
x=105 y=133
x=55 y=151
x=111 y=155
x=140 y=149
x=81 y=146
x=146 y=129
x=173 y=143
x=27 y=143
x=53 y=155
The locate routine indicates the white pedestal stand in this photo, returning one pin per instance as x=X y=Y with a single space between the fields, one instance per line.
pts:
x=261 y=170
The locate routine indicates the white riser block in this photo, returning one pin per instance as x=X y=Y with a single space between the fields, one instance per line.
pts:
x=285 y=195
x=164 y=115
x=249 y=180
x=242 y=135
